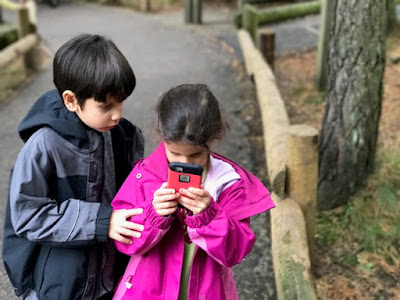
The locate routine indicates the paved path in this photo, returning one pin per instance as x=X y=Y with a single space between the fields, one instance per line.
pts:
x=163 y=52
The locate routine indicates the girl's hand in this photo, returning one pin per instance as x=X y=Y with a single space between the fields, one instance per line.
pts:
x=122 y=230
x=194 y=199
x=165 y=201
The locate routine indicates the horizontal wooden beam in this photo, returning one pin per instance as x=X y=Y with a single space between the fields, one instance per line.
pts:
x=11 y=5
x=284 y=12
x=20 y=47
x=292 y=266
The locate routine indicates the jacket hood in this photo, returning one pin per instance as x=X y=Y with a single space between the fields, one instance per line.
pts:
x=49 y=110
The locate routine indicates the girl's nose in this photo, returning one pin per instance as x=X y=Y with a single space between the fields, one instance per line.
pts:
x=185 y=160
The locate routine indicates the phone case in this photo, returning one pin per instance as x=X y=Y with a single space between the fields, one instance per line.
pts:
x=184 y=175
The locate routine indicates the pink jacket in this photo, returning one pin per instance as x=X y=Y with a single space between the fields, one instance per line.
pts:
x=221 y=233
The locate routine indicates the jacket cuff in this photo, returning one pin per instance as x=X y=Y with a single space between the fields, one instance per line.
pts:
x=103 y=222
x=154 y=219
x=203 y=219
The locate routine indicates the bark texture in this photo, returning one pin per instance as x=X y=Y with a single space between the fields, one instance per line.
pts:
x=353 y=101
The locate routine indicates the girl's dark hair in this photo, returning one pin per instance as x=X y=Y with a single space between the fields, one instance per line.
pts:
x=189 y=113
x=92 y=66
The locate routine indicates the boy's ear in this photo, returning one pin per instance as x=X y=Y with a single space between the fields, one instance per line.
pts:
x=70 y=100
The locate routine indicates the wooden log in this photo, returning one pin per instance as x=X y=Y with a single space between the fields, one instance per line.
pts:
x=188 y=5
x=248 y=49
x=197 y=11
x=290 y=254
x=391 y=15
x=250 y=20
x=266 y=45
x=275 y=122
x=321 y=78
x=10 y=5
x=20 y=47
x=32 y=8
x=289 y=11
x=302 y=168
x=23 y=22
x=145 y=5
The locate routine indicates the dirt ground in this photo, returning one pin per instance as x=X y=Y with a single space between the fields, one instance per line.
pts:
x=295 y=73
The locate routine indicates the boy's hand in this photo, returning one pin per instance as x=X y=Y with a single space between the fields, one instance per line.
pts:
x=120 y=228
x=194 y=199
x=165 y=201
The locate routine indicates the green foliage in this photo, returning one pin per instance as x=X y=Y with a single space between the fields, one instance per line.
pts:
x=370 y=221
x=350 y=259
x=299 y=90
x=366 y=267
x=327 y=231
x=309 y=95
x=315 y=99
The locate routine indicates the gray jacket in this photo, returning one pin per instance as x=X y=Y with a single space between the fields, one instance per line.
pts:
x=59 y=208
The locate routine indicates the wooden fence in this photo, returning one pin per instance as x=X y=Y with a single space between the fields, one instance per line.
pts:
x=252 y=17
x=292 y=164
x=28 y=39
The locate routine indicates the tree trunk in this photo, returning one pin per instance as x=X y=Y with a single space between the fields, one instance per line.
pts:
x=353 y=101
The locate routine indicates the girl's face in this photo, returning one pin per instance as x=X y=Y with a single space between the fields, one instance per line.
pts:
x=186 y=153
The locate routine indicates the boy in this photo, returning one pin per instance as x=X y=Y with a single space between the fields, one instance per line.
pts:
x=78 y=152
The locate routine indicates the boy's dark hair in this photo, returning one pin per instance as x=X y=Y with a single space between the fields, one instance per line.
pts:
x=92 y=66
x=190 y=113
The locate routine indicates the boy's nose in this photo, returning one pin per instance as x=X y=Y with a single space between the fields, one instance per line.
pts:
x=117 y=113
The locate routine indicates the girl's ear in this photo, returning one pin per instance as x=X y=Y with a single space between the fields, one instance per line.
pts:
x=70 y=101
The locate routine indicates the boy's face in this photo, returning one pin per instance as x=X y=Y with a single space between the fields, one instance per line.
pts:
x=99 y=116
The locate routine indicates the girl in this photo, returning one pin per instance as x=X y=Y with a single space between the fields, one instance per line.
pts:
x=187 y=251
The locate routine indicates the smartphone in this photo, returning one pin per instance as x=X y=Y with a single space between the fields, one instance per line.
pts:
x=184 y=175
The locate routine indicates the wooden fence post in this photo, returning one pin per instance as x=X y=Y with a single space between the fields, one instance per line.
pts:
x=250 y=20
x=266 y=45
x=327 y=12
x=145 y=5
x=302 y=164
x=196 y=11
x=27 y=26
x=23 y=22
x=188 y=4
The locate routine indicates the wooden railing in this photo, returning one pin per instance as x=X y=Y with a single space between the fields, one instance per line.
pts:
x=292 y=165
x=251 y=17
x=28 y=37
